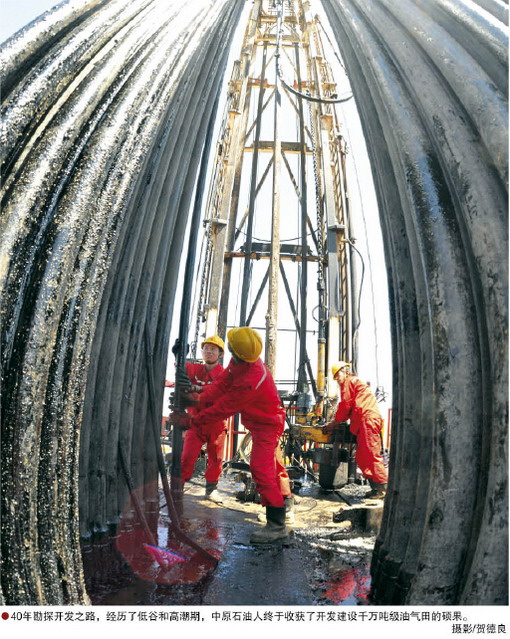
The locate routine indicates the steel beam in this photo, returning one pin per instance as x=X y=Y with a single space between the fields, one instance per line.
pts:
x=228 y=187
x=274 y=267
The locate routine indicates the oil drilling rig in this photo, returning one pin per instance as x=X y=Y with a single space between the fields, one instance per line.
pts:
x=277 y=245
x=108 y=107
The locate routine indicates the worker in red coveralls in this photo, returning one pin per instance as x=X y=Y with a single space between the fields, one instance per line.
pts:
x=247 y=387
x=359 y=405
x=212 y=434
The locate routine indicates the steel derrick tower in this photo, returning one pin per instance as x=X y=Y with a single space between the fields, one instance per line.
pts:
x=277 y=217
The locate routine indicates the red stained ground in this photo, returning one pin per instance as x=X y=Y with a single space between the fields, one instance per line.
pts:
x=182 y=565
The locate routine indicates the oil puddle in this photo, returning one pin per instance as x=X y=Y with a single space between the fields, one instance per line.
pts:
x=349 y=587
x=171 y=561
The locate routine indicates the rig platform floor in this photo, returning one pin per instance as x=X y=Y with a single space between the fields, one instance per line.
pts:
x=326 y=560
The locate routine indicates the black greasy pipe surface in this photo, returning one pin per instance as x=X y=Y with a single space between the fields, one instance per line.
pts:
x=430 y=81
x=105 y=109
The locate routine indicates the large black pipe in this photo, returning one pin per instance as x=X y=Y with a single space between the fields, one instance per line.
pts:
x=429 y=78
x=105 y=108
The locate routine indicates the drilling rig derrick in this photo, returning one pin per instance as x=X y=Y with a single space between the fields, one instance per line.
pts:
x=277 y=228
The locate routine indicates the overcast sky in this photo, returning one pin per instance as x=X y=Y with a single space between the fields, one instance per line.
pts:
x=15 y=14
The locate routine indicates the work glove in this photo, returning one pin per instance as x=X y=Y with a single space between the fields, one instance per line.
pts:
x=329 y=428
x=186 y=400
x=189 y=399
x=183 y=420
x=197 y=389
x=177 y=347
x=182 y=379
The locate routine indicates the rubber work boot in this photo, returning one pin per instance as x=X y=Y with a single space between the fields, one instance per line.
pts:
x=274 y=530
x=378 y=491
x=290 y=517
x=212 y=494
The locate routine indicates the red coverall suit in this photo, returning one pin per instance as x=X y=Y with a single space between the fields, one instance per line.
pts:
x=249 y=389
x=213 y=434
x=358 y=403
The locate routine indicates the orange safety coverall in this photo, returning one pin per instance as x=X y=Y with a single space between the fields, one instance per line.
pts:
x=249 y=389
x=358 y=403
x=213 y=434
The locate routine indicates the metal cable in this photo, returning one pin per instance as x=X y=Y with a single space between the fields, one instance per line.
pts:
x=360 y=287
x=287 y=86
x=203 y=284
x=369 y=262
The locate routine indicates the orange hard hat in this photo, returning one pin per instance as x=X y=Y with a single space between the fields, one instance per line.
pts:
x=216 y=340
x=245 y=343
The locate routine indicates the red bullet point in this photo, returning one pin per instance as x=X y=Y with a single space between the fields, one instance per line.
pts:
x=5 y=615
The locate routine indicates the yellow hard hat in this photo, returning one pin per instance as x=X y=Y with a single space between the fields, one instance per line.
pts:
x=216 y=340
x=338 y=366
x=245 y=343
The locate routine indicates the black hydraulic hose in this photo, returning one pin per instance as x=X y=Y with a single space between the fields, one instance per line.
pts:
x=132 y=491
x=304 y=95
x=181 y=347
x=189 y=273
x=351 y=243
x=170 y=501
x=135 y=499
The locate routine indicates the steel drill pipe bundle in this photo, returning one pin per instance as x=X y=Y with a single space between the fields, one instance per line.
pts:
x=105 y=107
x=430 y=80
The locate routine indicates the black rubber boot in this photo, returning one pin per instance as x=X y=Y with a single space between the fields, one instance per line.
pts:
x=378 y=491
x=274 y=529
x=290 y=517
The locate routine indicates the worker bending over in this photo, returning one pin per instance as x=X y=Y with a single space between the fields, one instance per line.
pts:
x=213 y=433
x=247 y=387
x=359 y=405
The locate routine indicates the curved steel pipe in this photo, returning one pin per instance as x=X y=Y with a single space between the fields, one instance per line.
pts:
x=105 y=108
x=427 y=78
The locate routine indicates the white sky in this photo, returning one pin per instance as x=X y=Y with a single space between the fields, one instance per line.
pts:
x=15 y=14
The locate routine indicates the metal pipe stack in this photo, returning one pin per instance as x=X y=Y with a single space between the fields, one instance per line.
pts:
x=430 y=78
x=105 y=106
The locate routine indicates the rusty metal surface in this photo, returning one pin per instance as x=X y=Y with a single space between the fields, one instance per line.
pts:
x=104 y=110
x=430 y=81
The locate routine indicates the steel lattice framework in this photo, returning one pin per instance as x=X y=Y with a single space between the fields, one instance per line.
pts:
x=279 y=172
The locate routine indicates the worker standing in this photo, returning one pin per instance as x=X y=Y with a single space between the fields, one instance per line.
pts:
x=247 y=387
x=359 y=405
x=213 y=433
